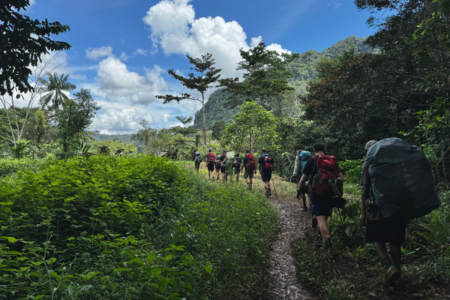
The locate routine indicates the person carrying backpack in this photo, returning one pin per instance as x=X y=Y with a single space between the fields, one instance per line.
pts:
x=218 y=165
x=266 y=166
x=210 y=163
x=321 y=170
x=304 y=157
x=223 y=166
x=237 y=166
x=249 y=168
x=198 y=161
x=397 y=185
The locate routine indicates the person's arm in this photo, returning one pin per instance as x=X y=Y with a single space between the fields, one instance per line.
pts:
x=341 y=175
x=301 y=184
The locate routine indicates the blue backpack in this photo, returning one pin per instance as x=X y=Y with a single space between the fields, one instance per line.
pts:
x=305 y=156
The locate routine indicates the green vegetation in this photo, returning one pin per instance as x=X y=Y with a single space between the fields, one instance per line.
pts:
x=130 y=228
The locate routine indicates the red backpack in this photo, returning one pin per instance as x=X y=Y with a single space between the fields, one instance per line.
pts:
x=251 y=161
x=325 y=168
x=211 y=157
x=268 y=162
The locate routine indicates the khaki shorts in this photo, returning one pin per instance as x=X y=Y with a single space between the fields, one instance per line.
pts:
x=248 y=172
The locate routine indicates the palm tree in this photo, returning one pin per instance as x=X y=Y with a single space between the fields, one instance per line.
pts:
x=53 y=89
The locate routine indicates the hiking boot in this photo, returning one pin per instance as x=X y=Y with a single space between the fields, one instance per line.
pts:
x=392 y=275
x=314 y=223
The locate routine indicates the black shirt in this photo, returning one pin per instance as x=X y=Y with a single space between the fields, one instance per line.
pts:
x=245 y=161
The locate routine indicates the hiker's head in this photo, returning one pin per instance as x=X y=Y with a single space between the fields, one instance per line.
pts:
x=247 y=151
x=369 y=144
x=223 y=151
x=237 y=155
x=264 y=151
x=210 y=151
x=319 y=148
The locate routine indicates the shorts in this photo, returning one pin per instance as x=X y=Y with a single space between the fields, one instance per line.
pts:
x=237 y=171
x=218 y=167
x=384 y=231
x=211 y=167
x=320 y=206
x=223 y=169
x=266 y=176
x=248 y=172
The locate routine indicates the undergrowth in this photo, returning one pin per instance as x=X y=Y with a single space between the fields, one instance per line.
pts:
x=130 y=228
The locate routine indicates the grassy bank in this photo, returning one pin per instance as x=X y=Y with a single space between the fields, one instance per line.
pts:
x=139 y=228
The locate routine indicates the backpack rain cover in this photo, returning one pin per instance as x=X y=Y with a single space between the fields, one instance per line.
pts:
x=402 y=181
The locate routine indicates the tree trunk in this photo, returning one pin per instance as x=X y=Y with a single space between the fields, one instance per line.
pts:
x=66 y=145
x=444 y=173
x=204 y=125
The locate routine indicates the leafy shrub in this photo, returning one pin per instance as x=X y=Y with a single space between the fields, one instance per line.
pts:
x=9 y=166
x=352 y=169
x=129 y=228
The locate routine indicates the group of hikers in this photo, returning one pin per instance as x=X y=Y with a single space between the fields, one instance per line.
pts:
x=223 y=164
x=397 y=185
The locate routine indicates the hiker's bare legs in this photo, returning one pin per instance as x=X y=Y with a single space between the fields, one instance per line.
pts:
x=267 y=185
x=323 y=227
x=381 y=250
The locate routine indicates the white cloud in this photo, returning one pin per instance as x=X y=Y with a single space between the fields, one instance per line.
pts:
x=96 y=53
x=140 y=51
x=117 y=82
x=278 y=48
x=115 y=121
x=334 y=4
x=166 y=117
x=123 y=56
x=32 y=3
x=176 y=30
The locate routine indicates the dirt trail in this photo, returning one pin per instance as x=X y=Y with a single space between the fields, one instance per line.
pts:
x=284 y=283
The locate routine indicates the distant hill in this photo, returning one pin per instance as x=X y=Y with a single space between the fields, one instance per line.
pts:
x=302 y=68
x=123 y=138
x=214 y=110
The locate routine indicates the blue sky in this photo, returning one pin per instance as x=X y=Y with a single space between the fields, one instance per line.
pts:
x=122 y=49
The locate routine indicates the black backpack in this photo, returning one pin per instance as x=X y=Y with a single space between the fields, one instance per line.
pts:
x=402 y=181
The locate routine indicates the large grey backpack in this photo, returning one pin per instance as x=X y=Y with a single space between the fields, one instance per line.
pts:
x=402 y=182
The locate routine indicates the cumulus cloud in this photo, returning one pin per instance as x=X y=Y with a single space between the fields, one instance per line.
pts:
x=32 y=3
x=116 y=81
x=96 y=53
x=166 y=117
x=115 y=121
x=278 y=48
x=176 y=30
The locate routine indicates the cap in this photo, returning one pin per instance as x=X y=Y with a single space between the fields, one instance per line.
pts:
x=369 y=144
x=264 y=150
x=223 y=151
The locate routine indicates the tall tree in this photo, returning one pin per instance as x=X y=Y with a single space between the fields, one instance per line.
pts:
x=53 y=90
x=76 y=116
x=22 y=43
x=16 y=122
x=252 y=128
x=265 y=76
x=208 y=74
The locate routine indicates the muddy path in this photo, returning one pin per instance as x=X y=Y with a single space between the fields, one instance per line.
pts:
x=283 y=282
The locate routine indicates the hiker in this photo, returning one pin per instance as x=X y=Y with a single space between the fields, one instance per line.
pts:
x=223 y=168
x=320 y=192
x=249 y=168
x=198 y=161
x=266 y=166
x=237 y=166
x=218 y=165
x=397 y=185
x=304 y=157
x=210 y=163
